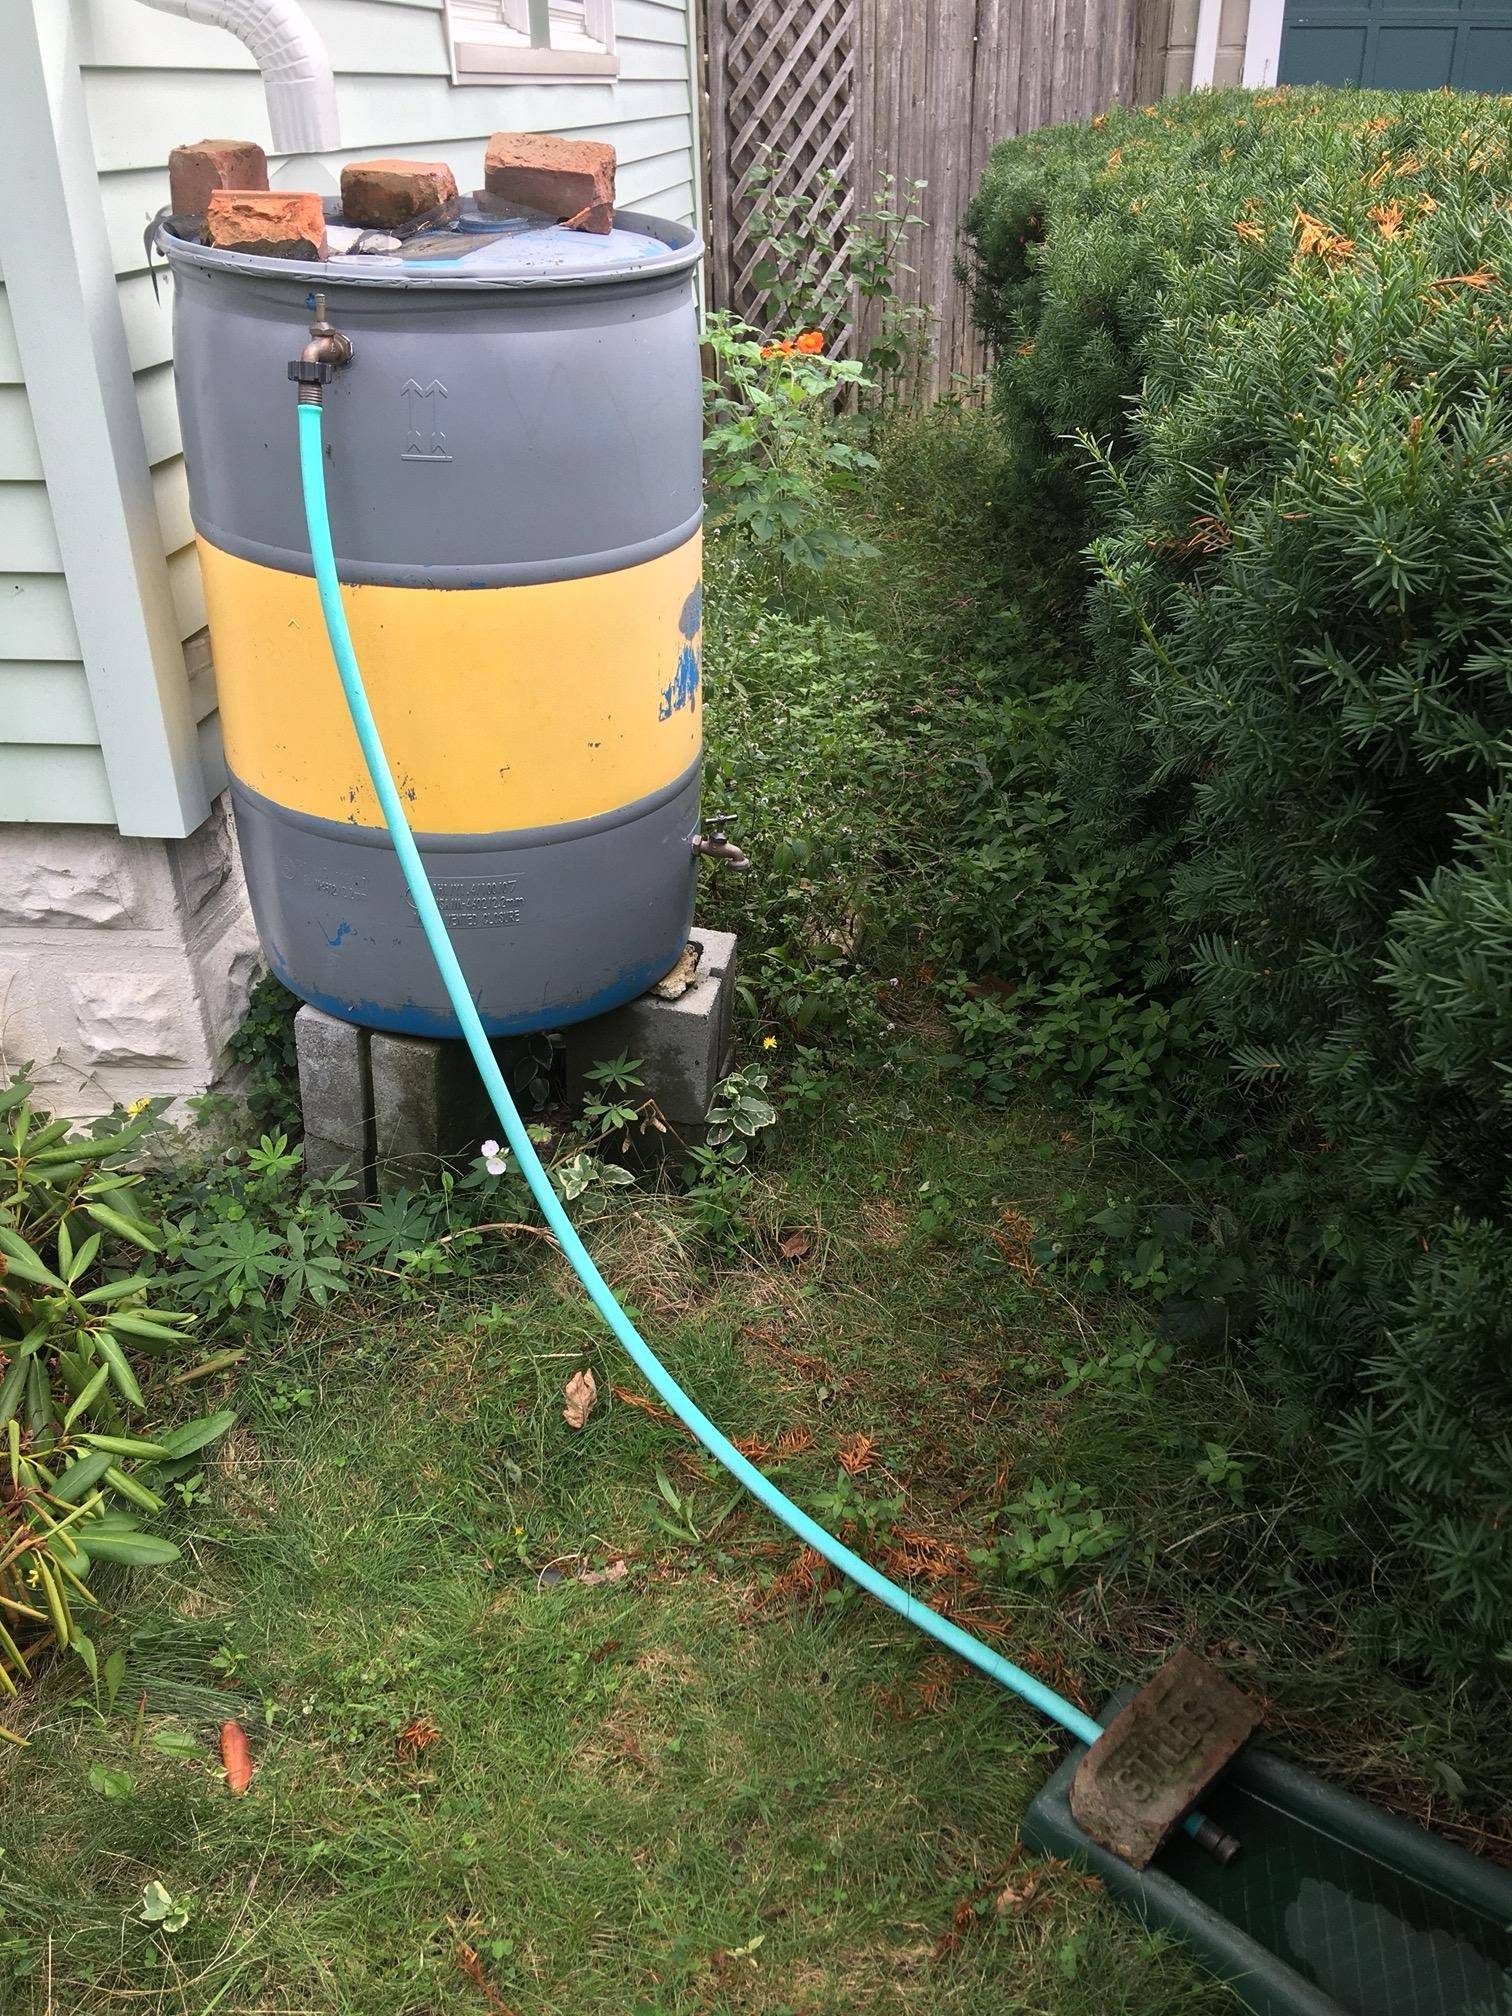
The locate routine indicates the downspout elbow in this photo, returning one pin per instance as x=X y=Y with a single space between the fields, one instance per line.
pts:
x=296 y=71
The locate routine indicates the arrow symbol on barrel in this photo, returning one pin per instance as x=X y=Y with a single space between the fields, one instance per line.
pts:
x=423 y=439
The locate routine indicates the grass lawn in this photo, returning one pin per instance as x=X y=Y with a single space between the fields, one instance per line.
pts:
x=493 y=1777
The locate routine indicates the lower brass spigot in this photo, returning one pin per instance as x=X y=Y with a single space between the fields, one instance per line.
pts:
x=718 y=845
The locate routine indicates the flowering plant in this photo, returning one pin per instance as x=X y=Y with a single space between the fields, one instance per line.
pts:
x=809 y=344
x=775 y=461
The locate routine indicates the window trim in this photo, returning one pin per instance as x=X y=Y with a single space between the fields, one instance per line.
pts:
x=478 y=59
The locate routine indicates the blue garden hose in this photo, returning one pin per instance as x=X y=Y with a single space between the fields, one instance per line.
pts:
x=317 y=519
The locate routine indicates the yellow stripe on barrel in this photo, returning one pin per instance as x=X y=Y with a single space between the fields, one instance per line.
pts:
x=500 y=708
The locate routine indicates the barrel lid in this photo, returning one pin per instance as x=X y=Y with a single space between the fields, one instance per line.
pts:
x=477 y=250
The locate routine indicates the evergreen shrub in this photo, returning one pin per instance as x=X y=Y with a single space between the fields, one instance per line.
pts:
x=1255 y=367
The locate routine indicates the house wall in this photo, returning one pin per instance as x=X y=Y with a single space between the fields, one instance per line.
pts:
x=49 y=745
x=1174 y=35
x=112 y=949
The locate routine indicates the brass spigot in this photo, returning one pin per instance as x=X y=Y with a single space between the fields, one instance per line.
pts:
x=718 y=845
x=316 y=364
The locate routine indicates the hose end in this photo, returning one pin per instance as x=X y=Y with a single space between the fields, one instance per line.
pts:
x=1221 y=1846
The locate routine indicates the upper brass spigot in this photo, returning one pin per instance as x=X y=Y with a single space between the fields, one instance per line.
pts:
x=316 y=364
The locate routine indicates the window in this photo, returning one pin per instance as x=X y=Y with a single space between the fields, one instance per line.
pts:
x=494 y=39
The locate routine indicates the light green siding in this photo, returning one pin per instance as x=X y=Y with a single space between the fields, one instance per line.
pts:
x=48 y=741
x=152 y=81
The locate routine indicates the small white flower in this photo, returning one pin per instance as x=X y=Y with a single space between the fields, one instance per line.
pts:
x=493 y=1158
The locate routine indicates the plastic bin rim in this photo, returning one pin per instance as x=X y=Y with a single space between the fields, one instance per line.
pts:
x=682 y=248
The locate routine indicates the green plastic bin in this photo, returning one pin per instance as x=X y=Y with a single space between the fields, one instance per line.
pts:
x=1331 y=1908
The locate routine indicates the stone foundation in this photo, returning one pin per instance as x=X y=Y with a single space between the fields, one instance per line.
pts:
x=125 y=965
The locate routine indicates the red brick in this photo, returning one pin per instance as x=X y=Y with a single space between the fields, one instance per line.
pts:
x=195 y=170
x=571 y=180
x=277 y=226
x=384 y=195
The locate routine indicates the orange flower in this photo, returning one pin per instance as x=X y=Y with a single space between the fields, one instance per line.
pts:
x=1314 y=236
x=811 y=342
x=1387 y=218
x=775 y=350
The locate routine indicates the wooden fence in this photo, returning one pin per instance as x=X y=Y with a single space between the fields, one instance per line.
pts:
x=920 y=89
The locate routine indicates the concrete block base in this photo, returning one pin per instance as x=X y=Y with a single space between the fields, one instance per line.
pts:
x=685 y=1047
x=388 y=1110
x=336 y=1096
x=392 y=1110
x=429 y=1108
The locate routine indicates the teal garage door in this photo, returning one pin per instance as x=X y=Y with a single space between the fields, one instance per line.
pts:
x=1398 y=45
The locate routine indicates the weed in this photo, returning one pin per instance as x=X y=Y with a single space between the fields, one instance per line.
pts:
x=1057 y=1528
x=264 y=1045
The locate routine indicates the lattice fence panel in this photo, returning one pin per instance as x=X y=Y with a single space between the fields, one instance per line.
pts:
x=919 y=89
x=781 y=100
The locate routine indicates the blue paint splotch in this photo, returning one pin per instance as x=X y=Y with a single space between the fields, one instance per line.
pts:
x=683 y=691
x=343 y=930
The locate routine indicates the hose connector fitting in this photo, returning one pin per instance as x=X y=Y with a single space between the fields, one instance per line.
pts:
x=316 y=364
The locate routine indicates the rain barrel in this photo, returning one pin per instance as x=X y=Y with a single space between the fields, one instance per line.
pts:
x=513 y=469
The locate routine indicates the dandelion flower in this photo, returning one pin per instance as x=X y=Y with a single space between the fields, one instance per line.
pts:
x=769 y=1042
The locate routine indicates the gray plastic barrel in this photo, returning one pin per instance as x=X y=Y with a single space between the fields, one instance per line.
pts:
x=513 y=470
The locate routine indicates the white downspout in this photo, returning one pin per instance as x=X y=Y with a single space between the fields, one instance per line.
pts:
x=296 y=70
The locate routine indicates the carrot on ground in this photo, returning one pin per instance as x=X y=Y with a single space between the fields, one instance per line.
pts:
x=236 y=1755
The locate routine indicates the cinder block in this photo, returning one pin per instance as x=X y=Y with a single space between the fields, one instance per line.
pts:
x=275 y=225
x=389 y=193
x=336 y=1094
x=684 y=1046
x=195 y=170
x=572 y=180
x=429 y=1108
